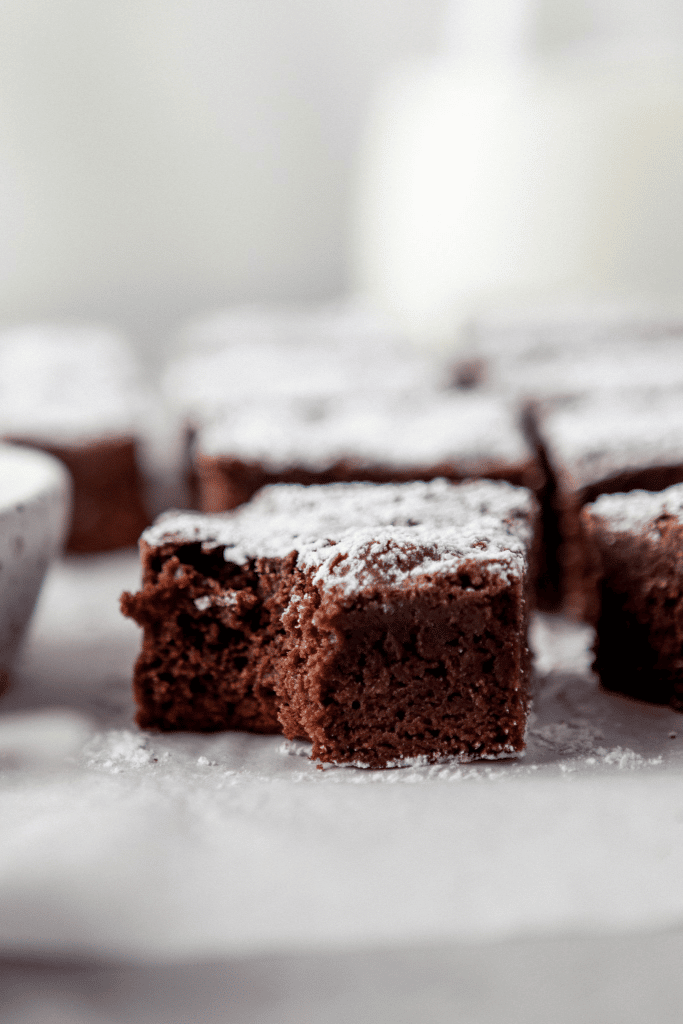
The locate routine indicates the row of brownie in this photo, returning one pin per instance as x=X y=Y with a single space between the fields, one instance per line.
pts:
x=602 y=403
x=388 y=623
x=571 y=406
x=369 y=411
x=77 y=392
x=568 y=454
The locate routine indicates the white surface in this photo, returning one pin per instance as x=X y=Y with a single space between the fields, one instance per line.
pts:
x=592 y=979
x=162 y=846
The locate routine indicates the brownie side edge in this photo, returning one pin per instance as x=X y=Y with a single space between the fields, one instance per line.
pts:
x=431 y=671
x=639 y=618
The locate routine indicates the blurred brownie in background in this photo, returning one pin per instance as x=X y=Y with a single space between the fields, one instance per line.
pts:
x=311 y=355
x=637 y=544
x=381 y=440
x=602 y=444
x=544 y=352
x=74 y=392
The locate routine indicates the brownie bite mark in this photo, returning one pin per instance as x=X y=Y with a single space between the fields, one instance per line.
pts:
x=381 y=622
x=638 y=542
x=209 y=629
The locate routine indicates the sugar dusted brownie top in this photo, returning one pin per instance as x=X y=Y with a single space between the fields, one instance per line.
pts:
x=63 y=384
x=635 y=511
x=421 y=432
x=604 y=435
x=288 y=353
x=356 y=535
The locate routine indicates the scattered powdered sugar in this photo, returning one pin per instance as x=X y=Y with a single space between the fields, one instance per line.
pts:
x=118 y=749
x=296 y=748
x=564 y=737
x=566 y=746
x=635 y=510
x=621 y=758
x=348 y=533
x=227 y=599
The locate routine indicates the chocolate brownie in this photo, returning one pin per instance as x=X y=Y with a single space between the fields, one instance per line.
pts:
x=638 y=539
x=456 y=436
x=73 y=392
x=601 y=444
x=450 y=435
x=381 y=622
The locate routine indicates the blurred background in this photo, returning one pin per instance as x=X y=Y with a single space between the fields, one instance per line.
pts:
x=158 y=159
x=161 y=158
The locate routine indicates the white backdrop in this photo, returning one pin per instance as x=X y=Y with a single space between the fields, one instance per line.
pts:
x=158 y=156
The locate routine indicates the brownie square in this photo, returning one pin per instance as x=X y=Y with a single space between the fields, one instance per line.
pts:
x=637 y=539
x=381 y=622
x=455 y=436
x=603 y=444
x=74 y=392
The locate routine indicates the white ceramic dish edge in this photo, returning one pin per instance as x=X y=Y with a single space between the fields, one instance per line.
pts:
x=35 y=505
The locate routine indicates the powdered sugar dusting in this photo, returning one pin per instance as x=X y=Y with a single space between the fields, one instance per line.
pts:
x=313 y=352
x=118 y=749
x=429 y=429
x=601 y=436
x=67 y=383
x=348 y=533
x=638 y=509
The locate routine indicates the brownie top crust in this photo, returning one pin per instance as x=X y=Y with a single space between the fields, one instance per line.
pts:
x=359 y=535
x=636 y=511
x=605 y=435
x=424 y=431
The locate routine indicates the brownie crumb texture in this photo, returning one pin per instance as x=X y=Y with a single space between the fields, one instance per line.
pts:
x=382 y=623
